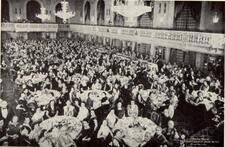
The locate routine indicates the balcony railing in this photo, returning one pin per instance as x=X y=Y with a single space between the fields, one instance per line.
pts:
x=213 y=43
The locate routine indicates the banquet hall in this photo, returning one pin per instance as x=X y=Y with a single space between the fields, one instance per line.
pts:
x=112 y=73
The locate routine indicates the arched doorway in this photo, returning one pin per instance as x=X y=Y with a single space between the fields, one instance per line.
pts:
x=101 y=12
x=58 y=8
x=5 y=11
x=87 y=15
x=33 y=8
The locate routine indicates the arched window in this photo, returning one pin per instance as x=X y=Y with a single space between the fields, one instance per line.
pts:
x=87 y=13
x=101 y=12
x=33 y=8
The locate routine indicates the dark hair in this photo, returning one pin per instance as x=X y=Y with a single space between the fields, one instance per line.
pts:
x=25 y=127
x=116 y=131
x=42 y=133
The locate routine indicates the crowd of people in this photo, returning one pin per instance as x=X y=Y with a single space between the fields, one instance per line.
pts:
x=118 y=86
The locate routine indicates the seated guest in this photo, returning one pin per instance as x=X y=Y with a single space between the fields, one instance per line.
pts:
x=165 y=118
x=119 y=110
x=27 y=122
x=47 y=84
x=4 y=114
x=103 y=110
x=85 y=137
x=117 y=140
x=34 y=134
x=13 y=131
x=104 y=134
x=30 y=86
x=24 y=136
x=83 y=112
x=125 y=94
x=132 y=109
x=97 y=85
x=52 y=109
x=89 y=102
x=65 y=139
x=68 y=109
x=92 y=120
x=44 y=139
x=197 y=100
x=111 y=119
x=146 y=142
x=158 y=139
x=38 y=115
x=3 y=136
x=170 y=133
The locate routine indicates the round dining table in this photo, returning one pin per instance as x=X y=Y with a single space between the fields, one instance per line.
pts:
x=134 y=129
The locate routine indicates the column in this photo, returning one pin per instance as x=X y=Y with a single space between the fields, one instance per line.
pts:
x=43 y=35
x=152 y=50
x=133 y=46
x=104 y=42
x=199 y=60
x=25 y=35
x=203 y=15
x=69 y=34
x=167 y=54
x=52 y=35
x=124 y=44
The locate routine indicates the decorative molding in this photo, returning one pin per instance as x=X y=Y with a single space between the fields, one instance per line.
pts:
x=209 y=43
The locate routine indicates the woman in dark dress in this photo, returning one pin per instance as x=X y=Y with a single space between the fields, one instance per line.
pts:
x=3 y=137
x=119 y=110
x=52 y=110
x=86 y=136
x=13 y=131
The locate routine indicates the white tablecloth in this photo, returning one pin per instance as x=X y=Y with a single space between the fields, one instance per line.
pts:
x=134 y=134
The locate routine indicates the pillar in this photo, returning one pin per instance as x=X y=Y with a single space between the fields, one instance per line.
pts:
x=167 y=54
x=133 y=46
x=24 y=35
x=152 y=50
x=52 y=35
x=203 y=15
x=199 y=60
x=43 y=35
x=124 y=44
x=69 y=34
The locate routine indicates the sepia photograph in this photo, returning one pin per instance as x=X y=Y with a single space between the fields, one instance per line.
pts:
x=112 y=73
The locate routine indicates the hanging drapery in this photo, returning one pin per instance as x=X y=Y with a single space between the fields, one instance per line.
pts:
x=118 y=20
x=87 y=13
x=187 y=15
x=100 y=12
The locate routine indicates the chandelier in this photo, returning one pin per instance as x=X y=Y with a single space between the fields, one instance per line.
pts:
x=43 y=16
x=131 y=8
x=65 y=13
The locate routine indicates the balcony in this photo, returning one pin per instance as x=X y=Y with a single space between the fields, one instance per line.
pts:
x=211 y=43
